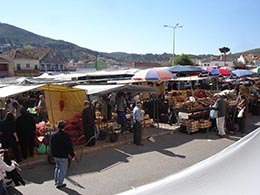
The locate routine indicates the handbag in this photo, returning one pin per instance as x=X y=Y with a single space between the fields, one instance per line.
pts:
x=213 y=114
x=240 y=113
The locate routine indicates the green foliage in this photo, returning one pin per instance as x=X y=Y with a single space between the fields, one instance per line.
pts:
x=100 y=65
x=27 y=46
x=224 y=50
x=183 y=59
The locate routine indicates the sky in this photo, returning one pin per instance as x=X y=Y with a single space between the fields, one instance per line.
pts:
x=137 y=26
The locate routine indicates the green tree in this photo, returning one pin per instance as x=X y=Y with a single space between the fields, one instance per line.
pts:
x=224 y=50
x=183 y=59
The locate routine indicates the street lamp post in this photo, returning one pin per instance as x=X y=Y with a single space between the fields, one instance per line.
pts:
x=173 y=39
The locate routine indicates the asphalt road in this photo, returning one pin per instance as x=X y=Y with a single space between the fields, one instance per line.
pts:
x=115 y=170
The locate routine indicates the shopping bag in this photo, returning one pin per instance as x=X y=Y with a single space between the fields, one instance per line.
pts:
x=240 y=113
x=213 y=114
x=42 y=149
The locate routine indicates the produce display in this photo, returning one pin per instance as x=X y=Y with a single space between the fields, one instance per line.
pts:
x=190 y=106
x=181 y=99
x=40 y=133
x=206 y=102
x=75 y=130
x=200 y=93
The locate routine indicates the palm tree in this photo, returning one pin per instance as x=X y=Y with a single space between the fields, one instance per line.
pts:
x=224 y=50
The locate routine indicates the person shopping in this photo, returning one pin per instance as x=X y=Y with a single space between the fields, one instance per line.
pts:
x=242 y=107
x=88 y=123
x=61 y=150
x=221 y=106
x=25 y=128
x=4 y=167
x=9 y=135
x=138 y=118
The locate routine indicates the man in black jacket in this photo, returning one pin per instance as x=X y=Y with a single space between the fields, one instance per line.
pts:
x=61 y=149
x=88 y=122
x=25 y=128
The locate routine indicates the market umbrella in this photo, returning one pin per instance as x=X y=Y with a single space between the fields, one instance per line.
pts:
x=219 y=72
x=182 y=70
x=153 y=74
x=228 y=68
x=257 y=70
x=209 y=69
x=241 y=73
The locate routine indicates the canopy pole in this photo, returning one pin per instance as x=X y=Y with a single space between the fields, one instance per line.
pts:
x=52 y=115
x=157 y=112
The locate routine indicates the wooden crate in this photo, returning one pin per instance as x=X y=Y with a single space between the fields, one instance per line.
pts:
x=204 y=124
x=192 y=126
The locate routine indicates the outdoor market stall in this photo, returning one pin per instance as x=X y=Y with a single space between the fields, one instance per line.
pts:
x=12 y=90
x=62 y=102
x=101 y=90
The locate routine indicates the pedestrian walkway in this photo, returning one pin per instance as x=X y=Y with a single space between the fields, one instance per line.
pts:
x=157 y=130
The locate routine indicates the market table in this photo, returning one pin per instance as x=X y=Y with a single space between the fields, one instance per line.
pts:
x=195 y=119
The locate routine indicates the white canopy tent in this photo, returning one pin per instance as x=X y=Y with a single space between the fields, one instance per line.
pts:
x=234 y=170
x=16 y=89
x=191 y=78
x=104 y=89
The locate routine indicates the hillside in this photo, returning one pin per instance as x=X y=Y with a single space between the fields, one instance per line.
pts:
x=12 y=37
x=252 y=51
x=125 y=57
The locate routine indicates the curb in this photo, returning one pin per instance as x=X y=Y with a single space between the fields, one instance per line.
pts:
x=86 y=150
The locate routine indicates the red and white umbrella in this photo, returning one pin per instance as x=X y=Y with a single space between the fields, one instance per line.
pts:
x=153 y=74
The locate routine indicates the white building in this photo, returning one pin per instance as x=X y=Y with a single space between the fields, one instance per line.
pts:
x=218 y=62
x=222 y=61
x=249 y=59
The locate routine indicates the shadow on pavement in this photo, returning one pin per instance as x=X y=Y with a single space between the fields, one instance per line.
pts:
x=105 y=159
x=70 y=191
x=75 y=183
x=12 y=190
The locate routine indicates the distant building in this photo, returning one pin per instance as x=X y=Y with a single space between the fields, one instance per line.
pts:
x=257 y=60
x=5 y=68
x=222 y=61
x=218 y=62
x=51 y=61
x=71 y=66
x=32 y=62
x=205 y=62
x=249 y=59
x=143 y=65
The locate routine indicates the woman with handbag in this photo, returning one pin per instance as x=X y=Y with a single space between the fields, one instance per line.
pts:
x=242 y=108
x=221 y=107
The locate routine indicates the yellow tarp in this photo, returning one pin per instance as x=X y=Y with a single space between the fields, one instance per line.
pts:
x=73 y=102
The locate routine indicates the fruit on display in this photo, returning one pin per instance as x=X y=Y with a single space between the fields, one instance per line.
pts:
x=199 y=93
